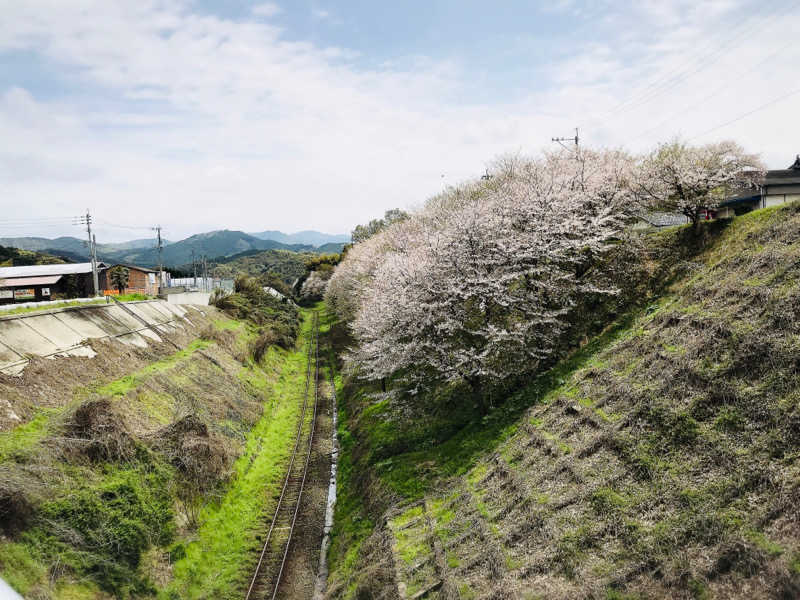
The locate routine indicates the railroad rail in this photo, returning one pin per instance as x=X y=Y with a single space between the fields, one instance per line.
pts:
x=269 y=571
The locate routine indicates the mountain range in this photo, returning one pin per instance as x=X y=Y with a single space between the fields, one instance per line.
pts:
x=313 y=238
x=213 y=245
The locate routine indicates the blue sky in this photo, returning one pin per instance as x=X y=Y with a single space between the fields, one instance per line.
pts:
x=200 y=115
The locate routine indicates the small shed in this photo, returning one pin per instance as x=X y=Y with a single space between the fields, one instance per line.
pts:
x=141 y=280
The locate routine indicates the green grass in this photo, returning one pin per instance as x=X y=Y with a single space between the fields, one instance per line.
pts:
x=22 y=438
x=216 y=561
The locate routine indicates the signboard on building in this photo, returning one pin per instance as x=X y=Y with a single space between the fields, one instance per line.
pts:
x=45 y=291
x=26 y=294
x=6 y=294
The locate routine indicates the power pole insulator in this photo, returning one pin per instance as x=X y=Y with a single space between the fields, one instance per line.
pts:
x=575 y=140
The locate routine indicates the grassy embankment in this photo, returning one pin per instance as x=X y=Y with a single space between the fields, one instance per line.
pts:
x=217 y=561
x=151 y=484
x=659 y=460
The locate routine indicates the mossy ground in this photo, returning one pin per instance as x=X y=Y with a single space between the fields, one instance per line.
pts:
x=659 y=460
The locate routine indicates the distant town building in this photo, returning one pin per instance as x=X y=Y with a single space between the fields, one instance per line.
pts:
x=47 y=282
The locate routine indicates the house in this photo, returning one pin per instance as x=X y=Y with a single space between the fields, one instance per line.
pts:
x=778 y=186
x=141 y=280
x=47 y=282
x=781 y=186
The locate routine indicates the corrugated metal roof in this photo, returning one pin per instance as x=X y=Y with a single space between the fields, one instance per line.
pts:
x=17 y=281
x=43 y=270
x=663 y=219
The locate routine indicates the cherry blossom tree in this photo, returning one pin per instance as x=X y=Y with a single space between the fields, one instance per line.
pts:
x=314 y=286
x=474 y=287
x=693 y=179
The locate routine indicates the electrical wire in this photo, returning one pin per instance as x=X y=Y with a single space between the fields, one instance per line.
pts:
x=693 y=105
x=136 y=227
x=747 y=114
x=668 y=82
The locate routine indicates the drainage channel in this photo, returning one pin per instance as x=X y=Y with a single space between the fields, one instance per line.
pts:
x=322 y=574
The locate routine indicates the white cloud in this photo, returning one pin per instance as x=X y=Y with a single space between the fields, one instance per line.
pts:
x=267 y=9
x=207 y=123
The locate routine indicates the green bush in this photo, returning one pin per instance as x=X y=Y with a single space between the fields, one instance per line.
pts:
x=101 y=531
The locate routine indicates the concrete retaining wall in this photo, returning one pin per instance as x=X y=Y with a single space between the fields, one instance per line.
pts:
x=64 y=332
x=189 y=298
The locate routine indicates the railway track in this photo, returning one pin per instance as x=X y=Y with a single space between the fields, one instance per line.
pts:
x=266 y=580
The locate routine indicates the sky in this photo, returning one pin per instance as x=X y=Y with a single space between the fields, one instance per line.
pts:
x=199 y=115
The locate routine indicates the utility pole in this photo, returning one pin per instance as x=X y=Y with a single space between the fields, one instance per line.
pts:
x=575 y=139
x=157 y=229
x=205 y=273
x=94 y=266
x=87 y=220
x=194 y=269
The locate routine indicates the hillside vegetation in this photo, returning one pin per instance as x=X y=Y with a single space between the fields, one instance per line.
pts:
x=288 y=265
x=140 y=473
x=660 y=459
x=14 y=257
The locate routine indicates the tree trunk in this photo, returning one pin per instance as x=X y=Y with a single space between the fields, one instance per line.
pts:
x=477 y=392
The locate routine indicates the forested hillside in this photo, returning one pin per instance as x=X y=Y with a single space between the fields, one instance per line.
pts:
x=286 y=264
x=14 y=257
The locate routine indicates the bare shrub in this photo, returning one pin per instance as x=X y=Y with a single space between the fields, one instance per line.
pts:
x=96 y=430
x=18 y=497
x=222 y=337
x=202 y=459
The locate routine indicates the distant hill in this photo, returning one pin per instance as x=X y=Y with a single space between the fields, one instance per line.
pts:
x=330 y=248
x=39 y=244
x=14 y=257
x=140 y=244
x=213 y=244
x=289 y=265
x=75 y=246
x=313 y=238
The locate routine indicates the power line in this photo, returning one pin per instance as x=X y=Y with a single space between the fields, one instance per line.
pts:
x=692 y=105
x=136 y=227
x=747 y=114
x=667 y=82
x=35 y=220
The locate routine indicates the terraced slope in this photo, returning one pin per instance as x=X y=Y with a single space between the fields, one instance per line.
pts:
x=661 y=461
